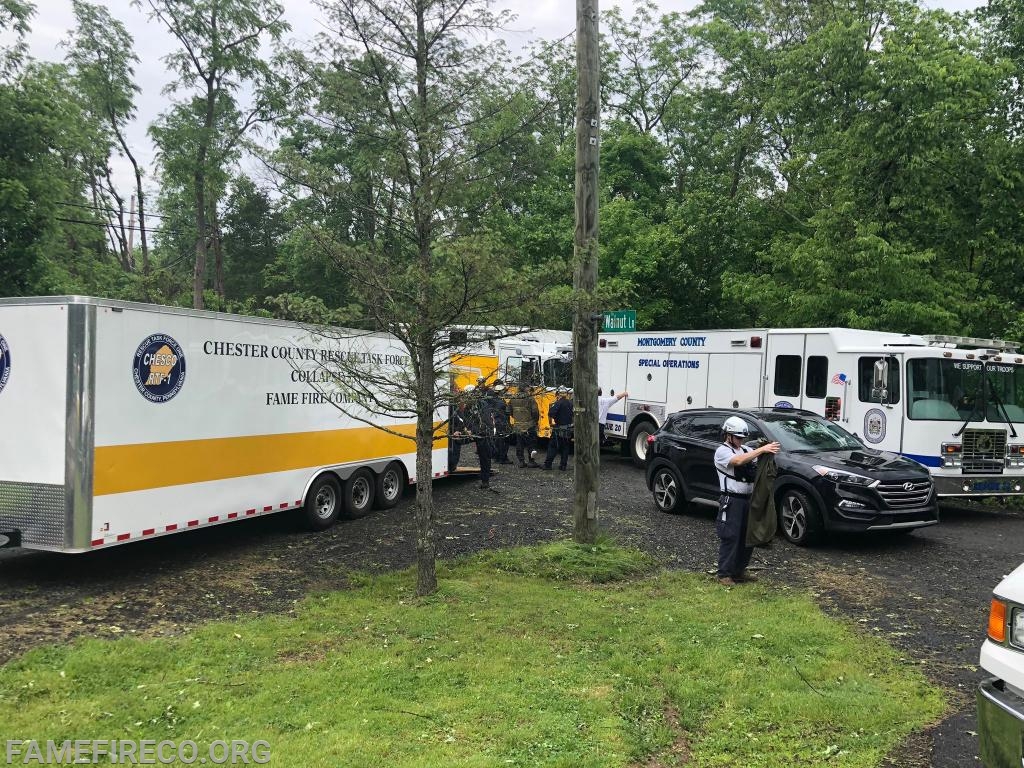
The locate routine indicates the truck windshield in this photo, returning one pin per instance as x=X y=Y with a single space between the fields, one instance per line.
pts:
x=558 y=372
x=522 y=372
x=964 y=390
x=1005 y=385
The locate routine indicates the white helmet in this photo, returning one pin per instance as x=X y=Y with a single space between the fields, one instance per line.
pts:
x=468 y=388
x=734 y=425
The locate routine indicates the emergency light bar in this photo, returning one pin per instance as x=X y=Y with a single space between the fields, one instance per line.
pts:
x=995 y=345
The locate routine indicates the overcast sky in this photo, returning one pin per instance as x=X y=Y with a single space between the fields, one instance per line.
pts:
x=536 y=19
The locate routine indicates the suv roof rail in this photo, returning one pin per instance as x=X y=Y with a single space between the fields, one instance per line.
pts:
x=782 y=409
x=970 y=342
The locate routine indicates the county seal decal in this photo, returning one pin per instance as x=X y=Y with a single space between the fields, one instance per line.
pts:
x=159 y=368
x=5 y=363
x=874 y=426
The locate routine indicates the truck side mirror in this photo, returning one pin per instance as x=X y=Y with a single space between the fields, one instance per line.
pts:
x=879 y=381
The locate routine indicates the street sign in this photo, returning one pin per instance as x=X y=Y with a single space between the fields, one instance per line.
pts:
x=623 y=320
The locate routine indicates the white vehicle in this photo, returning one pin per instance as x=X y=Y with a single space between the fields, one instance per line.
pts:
x=1001 y=697
x=954 y=404
x=127 y=421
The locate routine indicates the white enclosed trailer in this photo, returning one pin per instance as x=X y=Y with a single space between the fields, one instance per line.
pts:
x=125 y=421
x=954 y=404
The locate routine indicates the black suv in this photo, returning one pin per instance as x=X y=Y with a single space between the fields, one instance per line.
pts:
x=827 y=478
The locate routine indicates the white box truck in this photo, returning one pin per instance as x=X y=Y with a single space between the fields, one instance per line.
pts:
x=1000 y=696
x=125 y=421
x=954 y=404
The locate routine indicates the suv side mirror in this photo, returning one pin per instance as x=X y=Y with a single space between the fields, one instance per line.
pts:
x=879 y=381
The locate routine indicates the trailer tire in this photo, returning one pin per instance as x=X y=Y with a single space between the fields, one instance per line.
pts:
x=359 y=492
x=799 y=517
x=637 y=442
x=389 y=486
x=323 y=503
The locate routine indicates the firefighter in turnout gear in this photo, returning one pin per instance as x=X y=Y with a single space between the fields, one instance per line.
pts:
x=525 y=417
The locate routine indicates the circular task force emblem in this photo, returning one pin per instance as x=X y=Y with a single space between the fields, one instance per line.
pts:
x=159 y=368
x=5 y=363
x=874 y=426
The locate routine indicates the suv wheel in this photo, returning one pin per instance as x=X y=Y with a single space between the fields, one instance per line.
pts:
x=668 y=490
x=799 y=517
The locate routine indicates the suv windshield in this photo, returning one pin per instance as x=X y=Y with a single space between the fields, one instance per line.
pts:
x=964 y=390
x=806 y=433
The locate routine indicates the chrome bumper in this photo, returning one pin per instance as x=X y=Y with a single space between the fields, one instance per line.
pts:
x=978 y=485
x=1000 y=725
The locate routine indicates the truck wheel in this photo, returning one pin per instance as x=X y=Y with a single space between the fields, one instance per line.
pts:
x=799 y=517
x=323 y=503
x=668 y=490
x=389 y=486
x=358 y=494
x=638 y=435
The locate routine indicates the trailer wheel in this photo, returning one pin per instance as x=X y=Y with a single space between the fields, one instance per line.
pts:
x=638 y=435
x=390 y=484
x=323 y=503
x=799 y=517
x=358 y=494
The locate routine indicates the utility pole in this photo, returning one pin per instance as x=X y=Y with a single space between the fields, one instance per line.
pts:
x=131 y=234
x=584 y=328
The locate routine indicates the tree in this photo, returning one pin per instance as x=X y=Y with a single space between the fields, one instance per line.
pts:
x=220 y=53
x=647 y=64
x=14 y=15
x=401 y=123
x=103 y=61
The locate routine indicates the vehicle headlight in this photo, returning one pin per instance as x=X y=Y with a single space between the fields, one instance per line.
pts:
x=842 y=476
x=1017 y=628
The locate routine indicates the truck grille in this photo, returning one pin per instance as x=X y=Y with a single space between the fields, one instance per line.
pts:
x=905 y=495
x=984 y=450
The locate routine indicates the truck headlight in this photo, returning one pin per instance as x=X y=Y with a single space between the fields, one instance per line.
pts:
x=842 y=476
x=1017 y=628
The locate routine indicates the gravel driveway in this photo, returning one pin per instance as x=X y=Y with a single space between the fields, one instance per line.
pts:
x=927 y=592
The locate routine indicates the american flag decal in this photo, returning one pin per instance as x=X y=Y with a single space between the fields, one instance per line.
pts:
x=839 y=378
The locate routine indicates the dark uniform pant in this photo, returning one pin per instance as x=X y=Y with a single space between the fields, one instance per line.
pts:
x=499 y=446
x=483 y=452
x=454 y=453
x=525 y=443
x=731 y=527
x=559 y=444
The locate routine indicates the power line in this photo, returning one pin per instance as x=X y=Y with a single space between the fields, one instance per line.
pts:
x=111 y=210
x=135 y=228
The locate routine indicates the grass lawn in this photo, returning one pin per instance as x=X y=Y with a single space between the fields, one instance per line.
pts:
x=546 y=656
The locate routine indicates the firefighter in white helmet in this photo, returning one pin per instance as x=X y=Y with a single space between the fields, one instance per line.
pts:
x=735 y=463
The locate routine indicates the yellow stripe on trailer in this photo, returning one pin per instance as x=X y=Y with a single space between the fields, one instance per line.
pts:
x=142 y=466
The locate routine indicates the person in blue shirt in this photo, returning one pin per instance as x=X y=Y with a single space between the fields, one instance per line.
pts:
x=560 y=416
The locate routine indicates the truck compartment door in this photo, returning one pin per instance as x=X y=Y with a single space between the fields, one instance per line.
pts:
x=785 y=370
